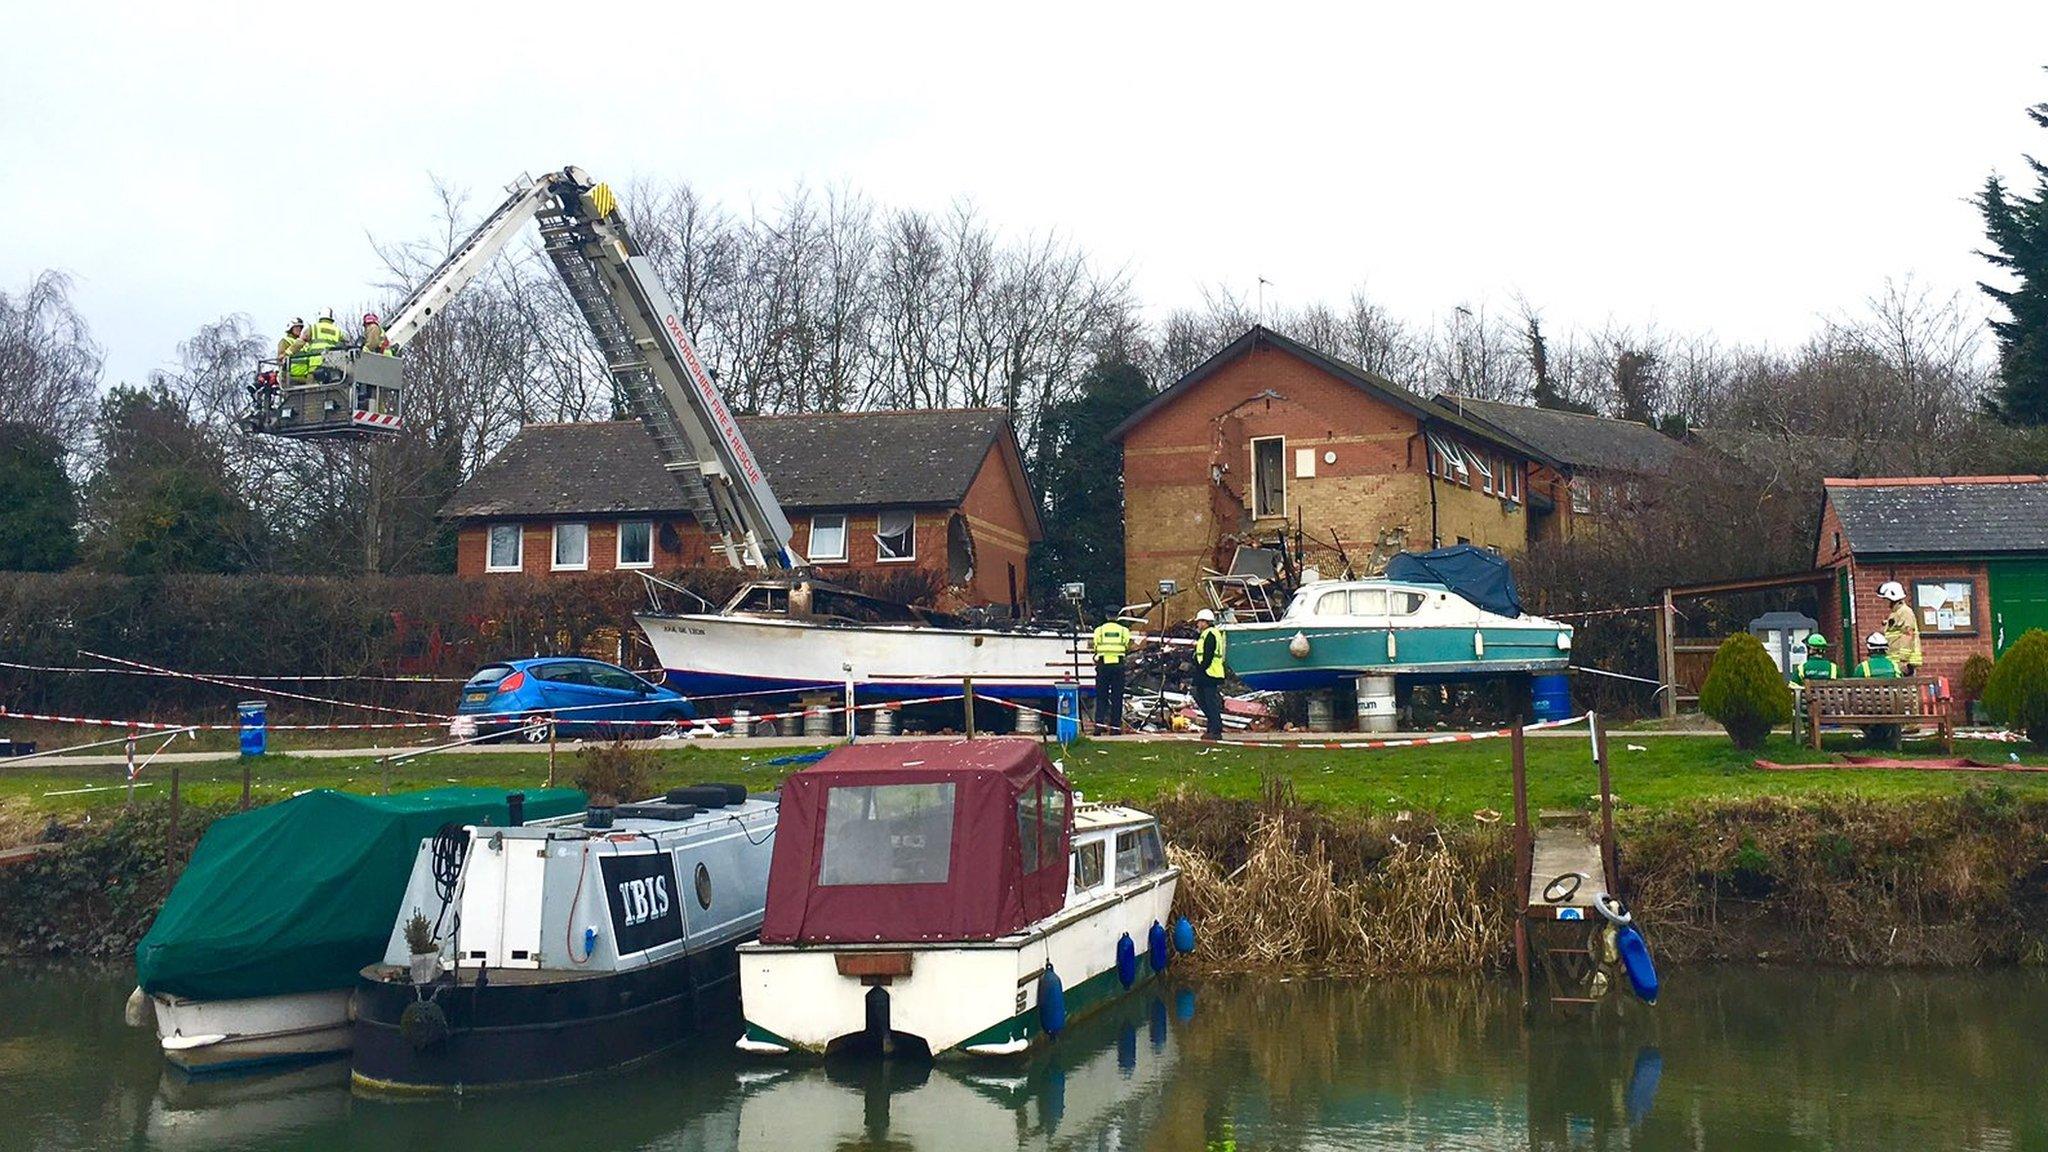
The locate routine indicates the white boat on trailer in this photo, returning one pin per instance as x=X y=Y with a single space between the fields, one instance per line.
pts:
x=950 y=897
x=799 y=634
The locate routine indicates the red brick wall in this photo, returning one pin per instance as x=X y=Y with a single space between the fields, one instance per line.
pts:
x=995 y=509
x=1942 y=653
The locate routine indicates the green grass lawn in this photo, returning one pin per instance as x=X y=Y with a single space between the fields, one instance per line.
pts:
x=1453 y=780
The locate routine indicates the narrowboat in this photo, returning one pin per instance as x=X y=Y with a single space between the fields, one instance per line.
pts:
x=564 y=949
x=253 y=956
x=950 y=898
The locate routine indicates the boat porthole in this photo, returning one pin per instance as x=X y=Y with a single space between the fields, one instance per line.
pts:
x=703 y=886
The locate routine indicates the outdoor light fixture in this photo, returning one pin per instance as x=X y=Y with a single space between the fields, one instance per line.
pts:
x=1168 y=587
x=1074 y=591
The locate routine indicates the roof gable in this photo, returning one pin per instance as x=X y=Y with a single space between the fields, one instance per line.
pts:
x=831 y=460
x=1577 y=440
x=1378 y=387
x=1961 y=515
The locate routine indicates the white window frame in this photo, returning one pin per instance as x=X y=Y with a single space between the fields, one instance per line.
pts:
x=619 y=550
x=555 y=547
x=518 y=551
x=1485 y=469
x=1257 y=512
x=1454 y=468
x=911 y=557
x=1581 y=490
x=845 y=534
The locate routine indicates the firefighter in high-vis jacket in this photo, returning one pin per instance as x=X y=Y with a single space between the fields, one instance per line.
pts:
x=1209 y=666
x=1111 y=641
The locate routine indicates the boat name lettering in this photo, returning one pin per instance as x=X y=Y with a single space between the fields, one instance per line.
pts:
x=641 y=892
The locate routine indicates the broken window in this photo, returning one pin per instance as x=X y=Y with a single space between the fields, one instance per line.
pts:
x=1485 y=470
x=1269 y=477
x=828 y=536
x=959 y=551
x=896 y=536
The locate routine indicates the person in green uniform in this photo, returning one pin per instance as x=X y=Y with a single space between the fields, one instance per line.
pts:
x=1111 y=641
x=1879 y=667
x=1816 y=666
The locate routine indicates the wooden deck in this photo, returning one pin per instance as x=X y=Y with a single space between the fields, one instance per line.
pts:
x=1565 y=844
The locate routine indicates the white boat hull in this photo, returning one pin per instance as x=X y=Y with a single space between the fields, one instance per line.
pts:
x=716 y=655
x=224 y=1035
x=977 y=999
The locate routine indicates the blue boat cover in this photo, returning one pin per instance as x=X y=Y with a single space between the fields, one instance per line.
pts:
x=1474 y=573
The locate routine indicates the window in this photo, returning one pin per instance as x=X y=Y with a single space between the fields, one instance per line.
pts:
x=1087 y=865
x=507 y=546
x=1484 y=467
x=572 y=547
x=1030 y=830
x=1407 y=603
x=563 y=673
x=896 y=536
x=1336 y=603
x=1269 y=476
x=887 y=834
x=1945 y=606
x=1138 y=853
x=1511 y=486
x=828 y=536
x=1449 y=461
x=1582 y=494
x=636 y=544
x=616 y=679
x=1368 y=602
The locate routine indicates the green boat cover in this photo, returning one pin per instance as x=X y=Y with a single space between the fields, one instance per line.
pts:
x=300 y=895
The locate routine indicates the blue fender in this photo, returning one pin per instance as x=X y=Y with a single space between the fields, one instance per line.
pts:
x=1184 y=1005
x=1183 y=936
x=1126 y=960
x=1635 y=959
x=1155 y=1021
x=1052 y=1002
x=1155 y=947
x=1641 y=1095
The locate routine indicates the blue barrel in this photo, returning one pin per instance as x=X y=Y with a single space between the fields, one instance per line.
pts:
x=1550 y=696
x=1069 y=709
x=255 y=727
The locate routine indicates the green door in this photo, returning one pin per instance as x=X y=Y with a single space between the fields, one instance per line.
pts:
x=2019 y=599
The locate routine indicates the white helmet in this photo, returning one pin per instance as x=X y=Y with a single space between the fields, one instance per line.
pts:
x=1205 y=616
x=327 y=314
x=1891 y=590
x=1877 y=641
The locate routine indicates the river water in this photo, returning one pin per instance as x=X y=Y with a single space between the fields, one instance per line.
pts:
x=1732 y=1058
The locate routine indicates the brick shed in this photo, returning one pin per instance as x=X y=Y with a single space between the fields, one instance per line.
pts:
x=1971 y=551
x=936 y=492
x=1268 y=433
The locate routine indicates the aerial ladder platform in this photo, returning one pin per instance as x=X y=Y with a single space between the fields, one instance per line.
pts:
x=637 y=330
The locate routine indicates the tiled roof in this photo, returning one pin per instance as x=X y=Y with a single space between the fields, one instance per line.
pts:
x=834 y=460
x=1919 y=515
x=1579 y=441
x=1371 y=383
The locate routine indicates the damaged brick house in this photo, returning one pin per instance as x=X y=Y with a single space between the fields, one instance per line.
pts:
x=1269 y=433
x=939 y=493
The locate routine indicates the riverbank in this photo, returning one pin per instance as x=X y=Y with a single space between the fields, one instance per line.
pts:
x=1303 y=859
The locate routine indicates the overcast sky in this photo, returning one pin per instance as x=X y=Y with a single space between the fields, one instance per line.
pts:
x=1733 y=167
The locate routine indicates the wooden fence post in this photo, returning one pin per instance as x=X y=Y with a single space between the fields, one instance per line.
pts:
x=551 y=751
x=130 y=747
x=171 y=836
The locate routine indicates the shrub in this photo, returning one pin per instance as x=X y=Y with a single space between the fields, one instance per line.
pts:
x=616 y=772
x=2016 y=694
x=1745 y=691
x=1976 y=673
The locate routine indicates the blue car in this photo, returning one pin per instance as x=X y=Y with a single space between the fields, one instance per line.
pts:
x=586 y=697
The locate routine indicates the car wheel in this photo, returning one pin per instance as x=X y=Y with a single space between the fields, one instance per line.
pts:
x=765 y=728
x=532 y=730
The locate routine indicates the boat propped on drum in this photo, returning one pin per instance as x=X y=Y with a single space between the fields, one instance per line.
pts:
x=565 y=949
x=952 y=898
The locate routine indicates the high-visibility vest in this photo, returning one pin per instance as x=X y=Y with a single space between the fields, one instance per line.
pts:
x=1902 y=632
x=1879 y=667
x=1816 y=668
x=1209 y=654
x=1111 y=641
x=325 y=334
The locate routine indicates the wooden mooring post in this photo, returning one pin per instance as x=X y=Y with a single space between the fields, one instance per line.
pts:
x=1524 y=850
x=171 y=834
x=967 y=704
x=130 y=747
x=551 y=752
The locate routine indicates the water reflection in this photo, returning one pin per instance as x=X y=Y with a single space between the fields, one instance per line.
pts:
x=1755 y=1059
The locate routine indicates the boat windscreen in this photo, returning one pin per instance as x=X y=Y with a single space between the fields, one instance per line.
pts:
x=887 y=834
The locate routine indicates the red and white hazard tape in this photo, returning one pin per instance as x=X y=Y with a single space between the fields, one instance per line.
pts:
x=65 y=669
x=155 y=726
x=248 y=686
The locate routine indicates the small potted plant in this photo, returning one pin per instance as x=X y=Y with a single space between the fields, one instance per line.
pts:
x=426 y=951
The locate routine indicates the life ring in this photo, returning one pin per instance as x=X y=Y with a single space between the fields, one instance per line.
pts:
x=1550 y=890
x=1610 y=906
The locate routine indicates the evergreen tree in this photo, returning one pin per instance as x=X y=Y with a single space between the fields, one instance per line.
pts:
x=38 y=506
x=2017 y=227
x=1080 y=480
x=162 y=500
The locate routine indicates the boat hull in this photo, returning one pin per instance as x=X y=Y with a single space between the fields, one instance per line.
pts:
x=717 y=655
x=530 y=1028
x=1262 y=655
x=961 y=1000
x=215 y=1036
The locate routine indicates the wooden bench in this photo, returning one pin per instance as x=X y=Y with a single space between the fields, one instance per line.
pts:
x=1918 y=700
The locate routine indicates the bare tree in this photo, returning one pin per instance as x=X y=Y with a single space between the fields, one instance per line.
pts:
x=49 y=364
